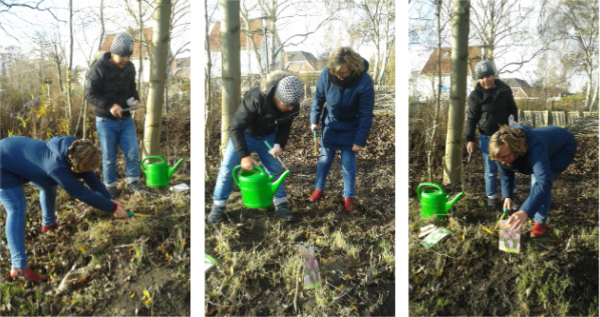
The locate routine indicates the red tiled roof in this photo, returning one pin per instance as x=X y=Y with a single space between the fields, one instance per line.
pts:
x=431 y=65
x=256 y=30
x=135 y=34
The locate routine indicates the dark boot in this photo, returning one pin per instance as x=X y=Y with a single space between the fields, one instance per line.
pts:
x=215 y=215
x=284 y=212
x=491 y=204
x=135 y=187
x=112 y=191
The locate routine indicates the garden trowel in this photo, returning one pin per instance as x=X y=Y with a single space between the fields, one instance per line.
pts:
x=280 y=161
x=131 y=214
x=316 y=141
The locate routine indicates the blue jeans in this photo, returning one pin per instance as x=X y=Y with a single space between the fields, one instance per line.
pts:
x=13 y=200
x=558 y=163
x=113 y=133
x=348 y=162
x=232 y=159
x=491 y=168
x=541 y=215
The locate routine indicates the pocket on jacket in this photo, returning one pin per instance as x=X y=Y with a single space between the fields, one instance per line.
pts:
x=487 y=122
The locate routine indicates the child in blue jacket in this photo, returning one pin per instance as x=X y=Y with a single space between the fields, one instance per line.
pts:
x=60 y=161
x=542 y=153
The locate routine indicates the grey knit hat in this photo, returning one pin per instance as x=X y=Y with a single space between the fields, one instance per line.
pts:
x=290 y=91
x=484 y=68
x=122 y=45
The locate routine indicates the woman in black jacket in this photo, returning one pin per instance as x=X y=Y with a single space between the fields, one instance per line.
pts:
x=490 y=105
x=265 y=114
x=110 y=87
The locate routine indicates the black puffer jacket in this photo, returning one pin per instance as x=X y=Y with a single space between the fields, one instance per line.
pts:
x=258 y=115
x=489 y=108
x=107 y=84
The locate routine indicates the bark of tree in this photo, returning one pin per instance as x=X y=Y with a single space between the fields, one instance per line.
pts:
x=158 y=66
x=458 y=88
x=230 y=46
x=101 y=25
x=140 y=46
x=439 y=94
x=70 y=71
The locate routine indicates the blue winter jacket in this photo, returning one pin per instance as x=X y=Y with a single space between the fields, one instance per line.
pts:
x=45 y=164
x=542 y=145
x=348 y=116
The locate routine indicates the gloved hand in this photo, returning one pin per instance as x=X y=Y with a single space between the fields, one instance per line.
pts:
x=276 y=150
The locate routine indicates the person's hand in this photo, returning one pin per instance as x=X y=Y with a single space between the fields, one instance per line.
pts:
x=470 y=146
x=137 y=104
x=507 y=203
x=116 y=111
x=248 y=163
x=278 y=152
x=314 y=127
x=118 y=203
x=356 y=148
x=517 y=219
x=120 y=212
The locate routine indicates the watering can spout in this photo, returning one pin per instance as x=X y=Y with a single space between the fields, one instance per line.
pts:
x=172 y=169
x=276 y=184
x=453 y=201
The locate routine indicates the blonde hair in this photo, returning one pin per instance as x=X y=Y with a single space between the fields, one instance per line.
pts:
x=514 y=139
x=84 y=156
x=345 y=55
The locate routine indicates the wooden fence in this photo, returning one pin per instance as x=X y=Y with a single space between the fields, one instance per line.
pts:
x=547 y=117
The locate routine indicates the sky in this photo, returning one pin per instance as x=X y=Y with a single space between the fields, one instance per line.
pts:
x=315 y=42
x=419 y=54
x=86 y=28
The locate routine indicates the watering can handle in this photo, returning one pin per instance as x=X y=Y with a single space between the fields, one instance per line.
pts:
x=428 y=184
x=236 y=177
x=151 y=157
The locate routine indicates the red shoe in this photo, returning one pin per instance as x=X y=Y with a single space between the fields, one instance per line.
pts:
x=538 y=230
x=49 y=228
x=27 y=274
x=348 y=204
x=316 y=195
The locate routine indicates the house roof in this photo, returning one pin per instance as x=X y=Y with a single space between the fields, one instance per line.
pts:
x=135 y=34
x=431 y=64
x=518 y=83
x=256 y=29
x=302 y=56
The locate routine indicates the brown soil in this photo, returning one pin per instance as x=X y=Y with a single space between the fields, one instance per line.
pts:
x=483 y=282
x=374 y=210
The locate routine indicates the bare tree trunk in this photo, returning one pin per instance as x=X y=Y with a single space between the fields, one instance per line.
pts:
x=70 y=71
x=589 y=88
x=439 y=93
x=101 y=26
x=230 y=39
x=158 y=69
x=208 y=82
x=388 y=46
x=141 y=64
x=458 y=87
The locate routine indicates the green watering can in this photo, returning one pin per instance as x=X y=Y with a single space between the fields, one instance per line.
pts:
x=158 y=174
x=434 y=202
x=257 y=186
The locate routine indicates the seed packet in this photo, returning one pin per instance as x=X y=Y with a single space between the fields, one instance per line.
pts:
x=510 y=239
x=435 y=237
x=310 y=268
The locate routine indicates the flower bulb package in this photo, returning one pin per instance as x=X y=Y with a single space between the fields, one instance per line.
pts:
x=510 y=239
x=310 y=267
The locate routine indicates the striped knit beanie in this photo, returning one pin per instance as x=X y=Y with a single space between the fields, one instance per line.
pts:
x=290 y=91
x=122 y=45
